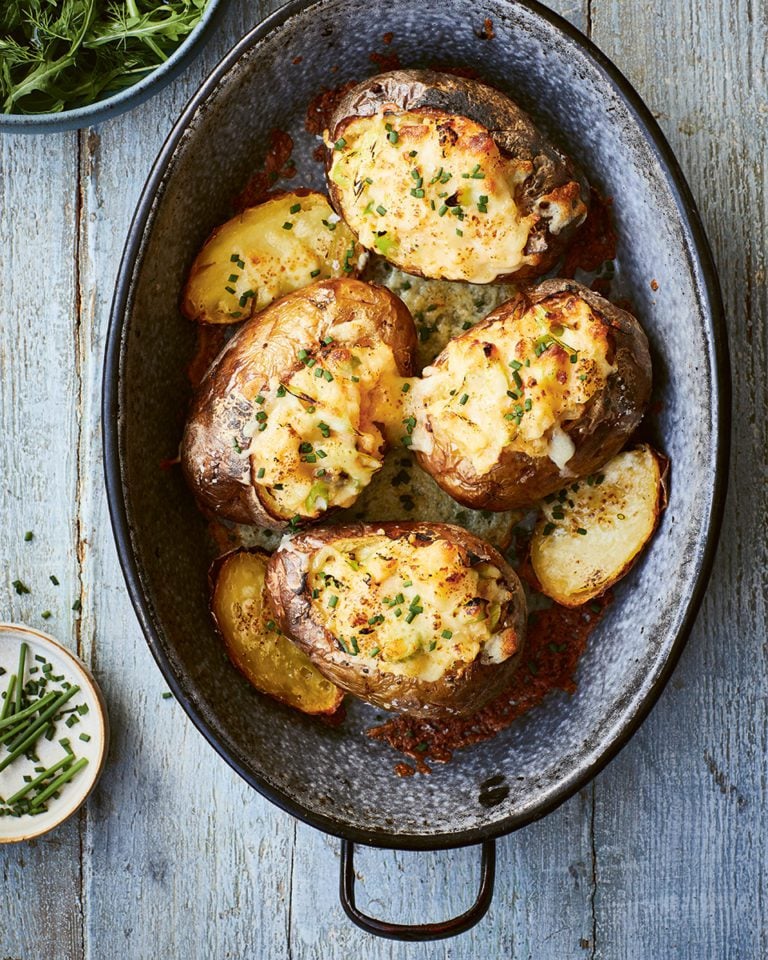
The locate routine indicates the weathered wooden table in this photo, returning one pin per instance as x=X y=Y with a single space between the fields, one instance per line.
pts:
x=665 y=855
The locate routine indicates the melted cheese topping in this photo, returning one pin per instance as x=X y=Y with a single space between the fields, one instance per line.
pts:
x=318 y=434
x=513 y=384
x=266 y=252
x=409 y=607
x=431 y=192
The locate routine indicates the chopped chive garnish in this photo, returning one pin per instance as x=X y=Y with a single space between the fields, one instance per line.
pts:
x=295 y=208
x=46 y=614
x=20 y=587
x=340 y=144
x=405 y=388
x=581 y=531
x=324 y=429
x=303 y=354
x=447 y=634
x=418 y=193
x=259 y=399
x=54 y=580
x=463 y=399
x=281 y=391
x=260 y=473
x=381 y=210
x=29 y=536
x=442 y=211
x=332 y=600
x=314 y=273
x=287 y=225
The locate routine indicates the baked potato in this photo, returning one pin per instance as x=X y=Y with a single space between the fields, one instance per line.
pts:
x=422 y=618
x=265 y=252
x=269 y=660
x=448 y=178
x=294 y=416
x=545 y=390
x=590 y=533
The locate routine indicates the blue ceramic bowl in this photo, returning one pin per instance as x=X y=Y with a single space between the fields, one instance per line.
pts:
x=338 y=779
x=126 y=99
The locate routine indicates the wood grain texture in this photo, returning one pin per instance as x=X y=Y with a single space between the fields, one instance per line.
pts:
x=39 y=425
x=664 y=855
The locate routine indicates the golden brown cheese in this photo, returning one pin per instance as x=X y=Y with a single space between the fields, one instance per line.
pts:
x=431 y=192
x=318 y=433
x=265 y=252
x=514 y=383
x=410 y=609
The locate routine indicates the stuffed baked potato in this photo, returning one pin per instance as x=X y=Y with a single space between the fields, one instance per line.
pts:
x=448 y=178
x=547 y=388
x=422 y=618
x=265 y=252
x=294 y=416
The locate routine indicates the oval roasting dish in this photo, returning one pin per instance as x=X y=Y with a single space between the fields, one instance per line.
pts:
x=338 y=779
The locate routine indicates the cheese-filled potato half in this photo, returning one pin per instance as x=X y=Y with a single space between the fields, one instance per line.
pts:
x=265 y=252
x=422 y=618
x=547 y=388
x=295 y=415
x=447 y=178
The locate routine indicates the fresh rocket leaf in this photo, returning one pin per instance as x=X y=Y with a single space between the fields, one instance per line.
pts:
x=60 y=54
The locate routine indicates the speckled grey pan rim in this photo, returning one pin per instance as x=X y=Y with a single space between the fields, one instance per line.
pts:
x=343 y=784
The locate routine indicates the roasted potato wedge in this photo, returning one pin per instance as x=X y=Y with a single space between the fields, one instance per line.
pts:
x=422 y=618
x=294 y=416
x=590 y=533
x=265 y=252
x=448 y=178
x=546 y=389
x=270 y=661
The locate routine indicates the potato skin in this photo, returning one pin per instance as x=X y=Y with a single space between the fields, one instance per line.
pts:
x=460 y=691
x=554 y=178
x=218 y=474
x=268 y=660
x=519 y=480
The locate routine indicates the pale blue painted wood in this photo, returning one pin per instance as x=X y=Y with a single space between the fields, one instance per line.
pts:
x=38 y=488
x=665 y=855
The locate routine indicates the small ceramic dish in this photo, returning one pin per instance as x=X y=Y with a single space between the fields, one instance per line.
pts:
x=148 y=86
x=89 y=734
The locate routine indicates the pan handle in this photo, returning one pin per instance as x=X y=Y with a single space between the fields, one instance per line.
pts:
x=420 y=931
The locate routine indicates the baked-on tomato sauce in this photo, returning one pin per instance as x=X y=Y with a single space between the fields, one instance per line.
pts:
x=556 y=640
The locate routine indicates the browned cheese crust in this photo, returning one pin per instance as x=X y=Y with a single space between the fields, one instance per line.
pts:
x=602 y=427
x=547 y=185
x=220 y=452
x=462 y=688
